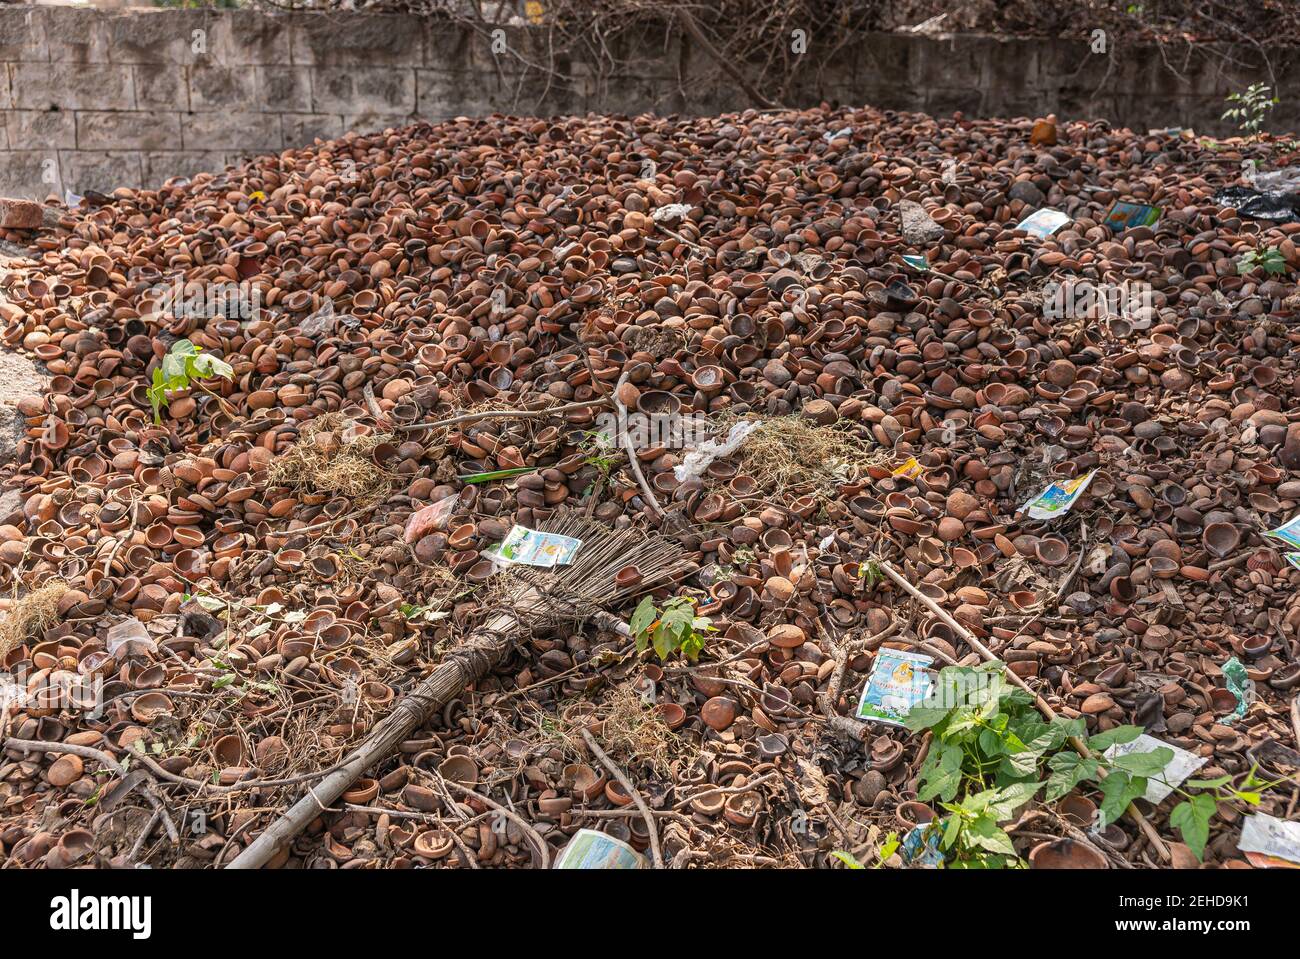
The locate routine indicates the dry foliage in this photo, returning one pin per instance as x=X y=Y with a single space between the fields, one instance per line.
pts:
x=31 y=615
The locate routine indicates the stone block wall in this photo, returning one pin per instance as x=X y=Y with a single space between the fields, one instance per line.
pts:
x=94 y=99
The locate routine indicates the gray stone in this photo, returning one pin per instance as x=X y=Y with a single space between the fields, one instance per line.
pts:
x=76 y=35
x=72 y=86
x=6 y=99
x=1026 y=192
x=300 y=129
x=11 y=504
x=360 y=39
x=55 y=129
x=215 y=87
x=286 y=89
x=375 y=122
x=256 y=132
x=918 y=228
x=363 y=90
x=127 y=130
x=30 y=173
x=86 y=170
x=162 y=166
x=254 y=37
x=22 y=34
x=19 y=377
x=161 y=86
x=164 y=36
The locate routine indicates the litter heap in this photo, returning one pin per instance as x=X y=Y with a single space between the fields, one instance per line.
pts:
x=247 y=581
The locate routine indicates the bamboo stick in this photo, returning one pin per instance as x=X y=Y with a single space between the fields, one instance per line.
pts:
x=469 y=663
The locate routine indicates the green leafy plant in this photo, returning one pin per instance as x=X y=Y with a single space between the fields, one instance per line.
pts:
x=1269 y=259
x=675 y=627
x=1250 y=108
x=848 y=859
x=992 y=752
x=183 y=364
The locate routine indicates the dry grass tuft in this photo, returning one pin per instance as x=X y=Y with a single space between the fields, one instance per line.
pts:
x=323 y=461
x=31 y=615
x=791 y=451
x=631 y=732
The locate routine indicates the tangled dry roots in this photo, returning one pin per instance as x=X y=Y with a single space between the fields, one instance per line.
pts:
x=631 y=732
x=788 y=452
x=31 y=615
x=324 y=460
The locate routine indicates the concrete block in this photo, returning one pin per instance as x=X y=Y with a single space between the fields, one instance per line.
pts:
x=33 y=174
x=103 y=171
x=72 y=86
x=161 y=86
x=368 y=40
x=76 y=35
x=22 y=34
x=128 y=130
x=885 y=59
x=165 y=36
x=216 y=87
x=254 y=37
x=444 y=95
x=944 y=103
x=41 y=129
x=446 y=45
x=6 y=98
x=362 y=90
x=284 y=88
x=300 y=129
x=159 y=167
x=366 y=123
x=225 y=131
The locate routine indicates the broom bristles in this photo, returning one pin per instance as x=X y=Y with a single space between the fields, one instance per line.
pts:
x=569 y=592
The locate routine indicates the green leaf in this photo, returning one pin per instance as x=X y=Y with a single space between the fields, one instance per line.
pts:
x=848 y=860
x=1118 y=790
x=1069 y=769
x=1208 y=783
x=665 y=642
x=984 y=833
x=491 y=475
x=1007 y=800
x=643 y=616
x=1192 y=820
x=923 y=717
x=1120 y=735
x=951 y=831
x=944 y=778
x=1145 y=764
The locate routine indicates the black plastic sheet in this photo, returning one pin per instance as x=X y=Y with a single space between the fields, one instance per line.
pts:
x=1269 y=205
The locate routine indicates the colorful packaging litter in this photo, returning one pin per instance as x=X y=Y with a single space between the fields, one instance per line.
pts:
x=909 y=470
x=1122 y=216
x=1057 y=499
x=899 y=680
x=1292 y=558
x=920 y=847
x=528 y=546
x=1173 y=775
x=1288 y=532
x=1269 y=842
x=1043 y=223
x=917 y=262
x=589 y=849
x=1240 y=685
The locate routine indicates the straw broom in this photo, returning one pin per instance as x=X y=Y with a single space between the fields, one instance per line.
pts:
x=535 y=598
